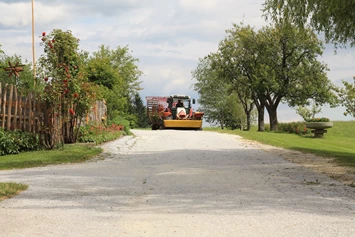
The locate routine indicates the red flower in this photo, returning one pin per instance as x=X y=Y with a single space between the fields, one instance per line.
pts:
x=65 y=81
x=43 y=39
x=71 y=111
x=43 y=33
x=68 y=76
x=76 y=95
x=46 y=79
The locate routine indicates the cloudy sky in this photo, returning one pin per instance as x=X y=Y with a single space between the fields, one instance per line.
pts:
x=167 y=36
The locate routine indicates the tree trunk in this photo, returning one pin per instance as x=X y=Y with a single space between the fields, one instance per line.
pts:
x=261 y=122
x=248 y=120
x=273 y=118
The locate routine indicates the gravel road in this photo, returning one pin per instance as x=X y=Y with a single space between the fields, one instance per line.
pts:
x=178 y=183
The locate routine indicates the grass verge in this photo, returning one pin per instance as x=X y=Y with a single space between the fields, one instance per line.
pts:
x=74 y=153
x=338 y=143
x=8 y=190
x=69 y=154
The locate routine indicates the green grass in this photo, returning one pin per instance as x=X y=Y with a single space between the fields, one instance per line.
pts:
x=8 y=190
x=73 y=153
x=69 y=154
x=338 y=143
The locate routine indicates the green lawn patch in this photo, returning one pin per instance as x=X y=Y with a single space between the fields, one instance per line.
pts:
x=8 y=190
x=338 y=143
x=73 y=153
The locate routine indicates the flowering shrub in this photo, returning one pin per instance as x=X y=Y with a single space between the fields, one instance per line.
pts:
x=314 y=120
x=100 y=133
x=68 y=93
x=294 y=127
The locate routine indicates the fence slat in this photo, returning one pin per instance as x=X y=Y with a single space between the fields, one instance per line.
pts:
x=4 y=108
x=14 y=120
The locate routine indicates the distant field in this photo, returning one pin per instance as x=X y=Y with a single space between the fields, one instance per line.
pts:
x=338 y=143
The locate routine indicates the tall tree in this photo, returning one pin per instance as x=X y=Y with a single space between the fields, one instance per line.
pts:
x=217 y=99
x=280 y=64
x=333 y=17
x=240 y=61
x=117 y=74
x=347 y=97
x=139 y=111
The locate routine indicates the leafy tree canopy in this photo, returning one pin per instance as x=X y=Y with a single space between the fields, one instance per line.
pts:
x=333 y=17
x=347 y=97
x=116 y=72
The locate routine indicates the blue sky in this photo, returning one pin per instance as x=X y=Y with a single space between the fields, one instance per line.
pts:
x=167 y=36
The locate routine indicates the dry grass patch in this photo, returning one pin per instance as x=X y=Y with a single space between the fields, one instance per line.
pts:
x=8 y=190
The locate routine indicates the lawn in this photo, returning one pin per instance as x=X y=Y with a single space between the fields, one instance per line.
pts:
x=69 y=154
x=338 y=143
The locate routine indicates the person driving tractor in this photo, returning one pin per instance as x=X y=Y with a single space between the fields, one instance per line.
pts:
x=179 y=104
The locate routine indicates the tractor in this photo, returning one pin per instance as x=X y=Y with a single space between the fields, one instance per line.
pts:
x=173 y=111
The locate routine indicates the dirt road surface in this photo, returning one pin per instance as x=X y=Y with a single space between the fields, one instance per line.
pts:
x=178 y=183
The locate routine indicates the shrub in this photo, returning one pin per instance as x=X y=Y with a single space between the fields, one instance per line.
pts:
x=121 y=121
x=14 y=142
x=318 y=120
x=100 y=133
x=293 y=127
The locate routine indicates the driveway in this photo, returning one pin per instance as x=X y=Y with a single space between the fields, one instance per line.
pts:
x=178 y=183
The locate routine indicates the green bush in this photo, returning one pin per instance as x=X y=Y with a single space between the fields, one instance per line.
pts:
x=121 y=121
x=293 y=127
x=14 y=142
x=100 y=133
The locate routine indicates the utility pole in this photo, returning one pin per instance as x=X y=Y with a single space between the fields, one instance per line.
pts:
x=33 y=43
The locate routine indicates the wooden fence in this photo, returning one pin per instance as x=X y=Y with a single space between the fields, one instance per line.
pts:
x=19 y=110
x=22 y=111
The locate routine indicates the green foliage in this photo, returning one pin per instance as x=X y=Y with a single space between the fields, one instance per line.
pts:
x=277 y=63
x=99 y=133
x=14 y=142
x=25 y=80
x=333 y=17
x=68 y=92
x=121 y=121
x=117 y=74
x=315 y=120
x=138 y=113
x=218 y=98
x=308 y=113
x=347 y=97
x=294 y=127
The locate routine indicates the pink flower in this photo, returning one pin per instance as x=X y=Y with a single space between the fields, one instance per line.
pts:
x=43 y=33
